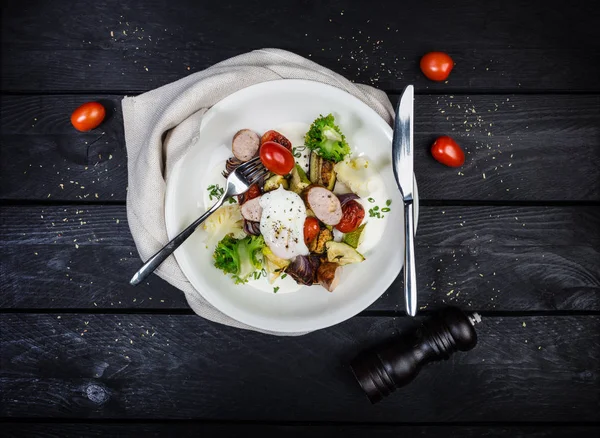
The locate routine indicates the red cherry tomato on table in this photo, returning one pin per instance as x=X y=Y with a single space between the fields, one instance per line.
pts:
x=276 y=158
x=311 y=229
x=88 y=116
x=437 y=65
x=352 y=215
x=448 y=152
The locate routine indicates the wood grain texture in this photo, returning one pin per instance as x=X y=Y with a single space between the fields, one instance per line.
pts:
x=225 y=430
x=483 y=258
x=153 y=367
x=519 y=148
x=114 y=46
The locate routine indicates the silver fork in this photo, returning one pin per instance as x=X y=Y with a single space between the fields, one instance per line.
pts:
x=238 y=182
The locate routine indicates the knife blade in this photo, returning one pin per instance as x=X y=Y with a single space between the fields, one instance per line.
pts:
x=403 y=165
x=402 y=144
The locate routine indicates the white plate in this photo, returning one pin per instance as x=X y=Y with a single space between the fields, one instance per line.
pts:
x=261 y=107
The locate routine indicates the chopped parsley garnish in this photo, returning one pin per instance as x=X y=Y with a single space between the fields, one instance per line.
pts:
x=275 y=289
x=376 y=211
x=283 y=276
x=297 y=151
x=215 y=191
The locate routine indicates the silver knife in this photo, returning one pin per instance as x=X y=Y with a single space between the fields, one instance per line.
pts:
x=403 y=161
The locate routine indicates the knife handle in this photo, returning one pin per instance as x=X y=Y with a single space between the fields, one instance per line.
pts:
x=410 y=274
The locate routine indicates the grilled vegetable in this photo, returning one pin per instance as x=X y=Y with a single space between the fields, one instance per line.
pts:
x=273 y=182
x=321 y=171
x=231 y=164
x=273 y=265
x=347 y=197
x=352 y=216
x=277 y=138
x=328 y=275
x=252 y=228
x=342 y=253
x=354 y=238
x=312 y=228
x=226 y=220
x=304 y=269
x=299 y=180
x=318 y=245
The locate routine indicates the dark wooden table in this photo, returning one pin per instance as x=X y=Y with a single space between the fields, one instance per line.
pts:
x=514 y=234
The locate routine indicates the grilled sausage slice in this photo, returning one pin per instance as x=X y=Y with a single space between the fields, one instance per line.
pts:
x=324 y=204
x=251 y=210
x=245 y=144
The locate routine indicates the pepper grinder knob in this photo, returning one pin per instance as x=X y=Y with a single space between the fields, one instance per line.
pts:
x=381 y=371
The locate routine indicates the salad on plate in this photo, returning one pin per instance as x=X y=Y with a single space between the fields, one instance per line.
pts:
x=307 y=220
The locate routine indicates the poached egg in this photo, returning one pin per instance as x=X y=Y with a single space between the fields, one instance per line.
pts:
x=282 y=223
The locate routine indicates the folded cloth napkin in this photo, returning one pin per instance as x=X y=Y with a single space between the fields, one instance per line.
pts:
x=160 y=126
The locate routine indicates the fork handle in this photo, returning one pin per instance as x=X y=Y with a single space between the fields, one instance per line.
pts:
x=156 y=260
x=410 y=272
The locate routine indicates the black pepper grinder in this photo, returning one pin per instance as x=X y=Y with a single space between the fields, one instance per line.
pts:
x=382 y=370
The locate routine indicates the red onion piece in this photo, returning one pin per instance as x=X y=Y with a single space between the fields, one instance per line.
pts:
x=346 y=197
x=252 y=228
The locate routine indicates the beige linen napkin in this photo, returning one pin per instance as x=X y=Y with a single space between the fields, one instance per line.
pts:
x=160 y=126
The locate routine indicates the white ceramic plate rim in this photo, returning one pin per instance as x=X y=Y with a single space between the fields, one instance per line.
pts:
x=186 y=265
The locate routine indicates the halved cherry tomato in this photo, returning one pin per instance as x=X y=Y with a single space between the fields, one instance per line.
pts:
x=352 y=216
x=88 y=116
x=448 y=152
x=277 y=138
x=276 y=158
x=437 y=65
x=311 y=229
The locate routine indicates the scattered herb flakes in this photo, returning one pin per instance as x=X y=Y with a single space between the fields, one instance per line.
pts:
x=275 y=289
x=283 y=276
x=388 y=202
x=371 y=200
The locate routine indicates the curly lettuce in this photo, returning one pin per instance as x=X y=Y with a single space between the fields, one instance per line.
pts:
x=326 y=139
x=239 y=257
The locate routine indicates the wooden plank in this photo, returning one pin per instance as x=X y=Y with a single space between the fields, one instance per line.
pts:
x=165 y=366
x=512 y=46
x=225 y=430
x=41 y=149
x=483 y=258
x=519 y=148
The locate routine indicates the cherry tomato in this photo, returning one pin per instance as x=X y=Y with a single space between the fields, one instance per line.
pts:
x=437 y=65
x=253 y=192
x=311 y=229
x=276 y=158
x=88 y=116
x=277 y=138
x=448 y=152
x=352 y=215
